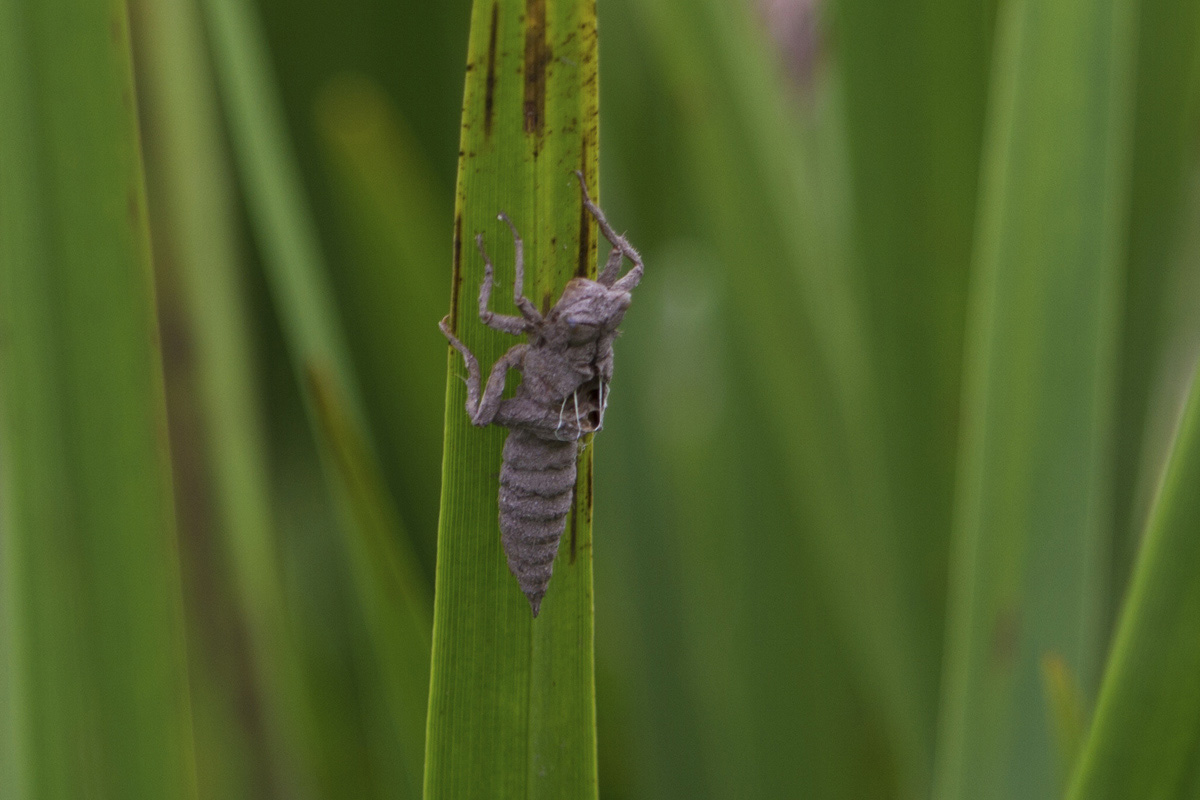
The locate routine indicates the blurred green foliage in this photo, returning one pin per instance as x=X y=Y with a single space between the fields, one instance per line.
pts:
x=894 y=406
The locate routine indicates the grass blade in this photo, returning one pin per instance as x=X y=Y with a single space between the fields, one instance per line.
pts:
x=195 y=240
x=1164 y=155
x=512 y=700
x=392 y=592
x=1030 y=532
x=389 y=209
x=95 y=653
x=748 y=172
x=1146 y=731
x=914 y=123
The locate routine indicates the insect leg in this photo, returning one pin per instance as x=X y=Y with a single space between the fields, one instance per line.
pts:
x=612 y=267
x=561 y=410
x=472 y=367
x=575 y=396
x=621 y=247
x=500 y=322
x=523 y=303
x=489 y=403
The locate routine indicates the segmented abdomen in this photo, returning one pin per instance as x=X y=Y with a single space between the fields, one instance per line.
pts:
x=537 y=489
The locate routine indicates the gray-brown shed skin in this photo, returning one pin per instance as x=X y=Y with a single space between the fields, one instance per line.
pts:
x=566 y=367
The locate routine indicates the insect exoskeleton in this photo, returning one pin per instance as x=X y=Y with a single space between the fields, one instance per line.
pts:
x=566 y=368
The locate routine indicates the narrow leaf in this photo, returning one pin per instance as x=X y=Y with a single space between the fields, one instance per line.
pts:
x=193 y=206
x=94 y=656
x=1164 y=156
x=915 y=108
x=512 y=701
x=1144 y=741
x=391 y=590
x=390 y=210
x=1030 y=530
x=774 y=221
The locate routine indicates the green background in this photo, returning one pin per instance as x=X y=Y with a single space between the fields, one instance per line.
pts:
x=897 y=492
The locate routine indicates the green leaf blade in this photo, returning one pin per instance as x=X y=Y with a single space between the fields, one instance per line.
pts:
x=94 y=650
x=760 y=190
x=1143 y=741
x=1164 y=155
x=1031 y=531
x=512 y=699
x=196 y=247
x=391 y=591
x=389 y=207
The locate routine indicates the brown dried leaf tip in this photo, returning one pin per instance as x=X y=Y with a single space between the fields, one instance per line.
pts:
x=566 y=366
